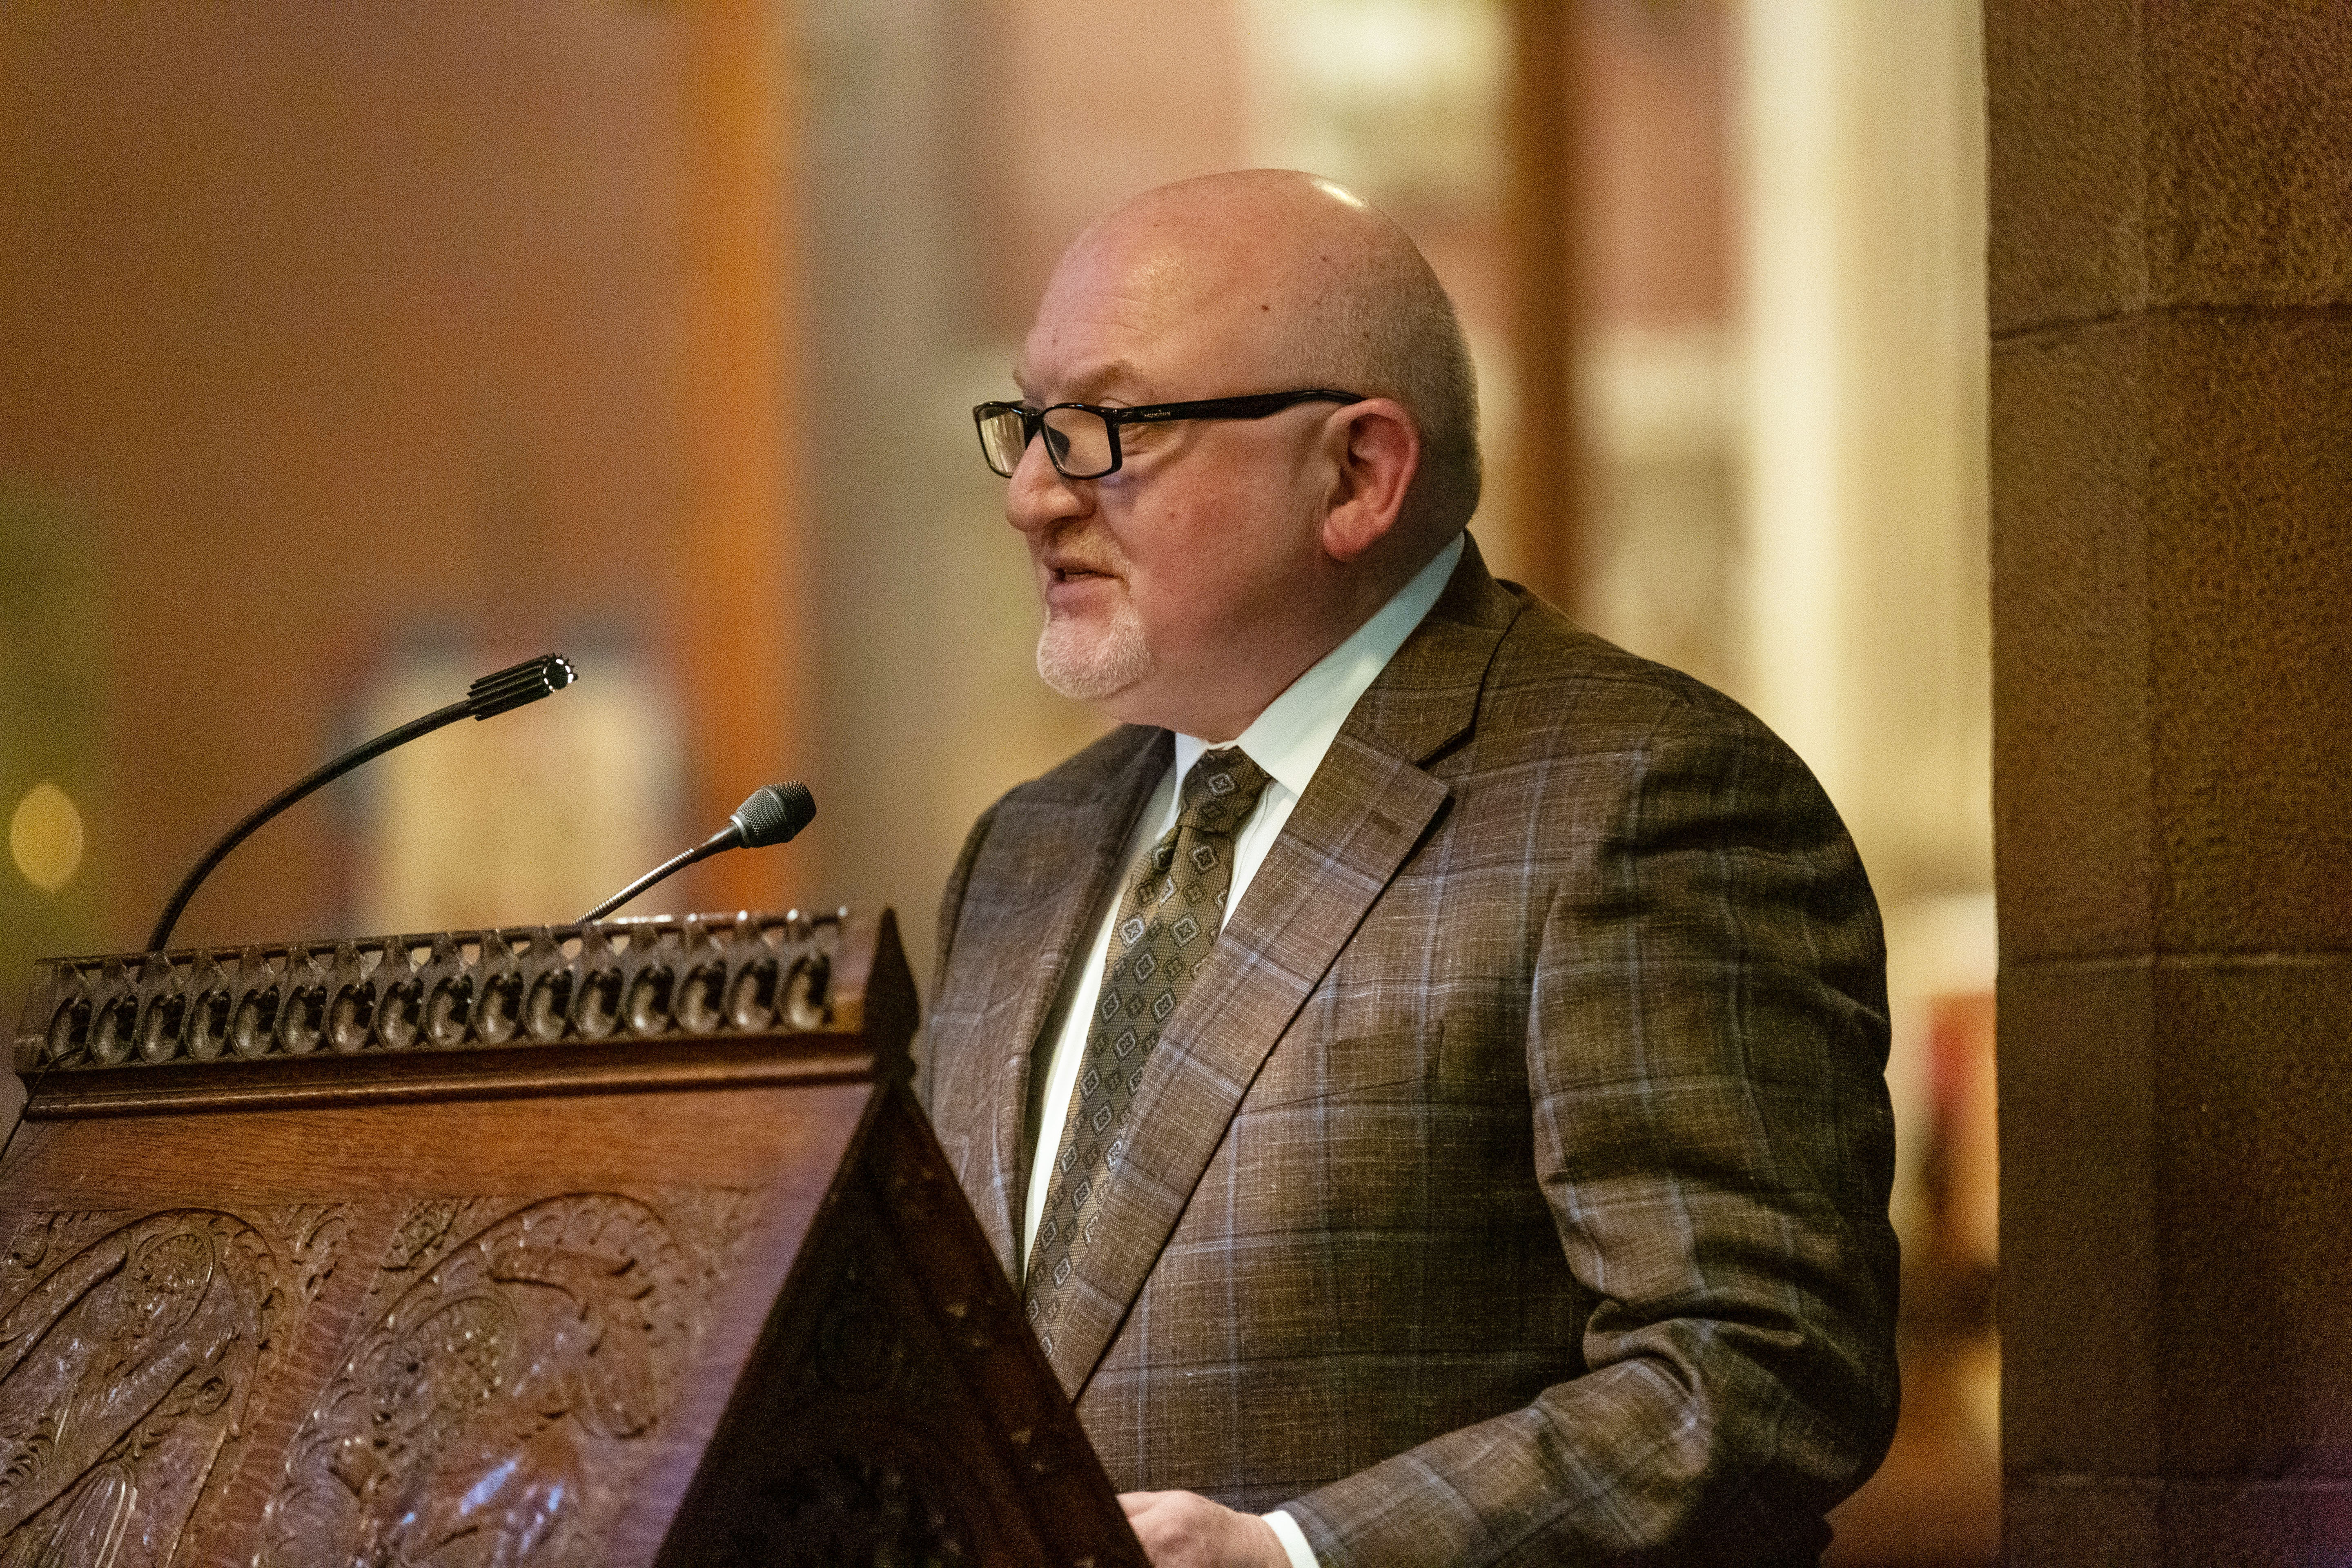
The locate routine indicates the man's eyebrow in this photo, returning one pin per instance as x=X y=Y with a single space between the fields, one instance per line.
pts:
x=1091 y=387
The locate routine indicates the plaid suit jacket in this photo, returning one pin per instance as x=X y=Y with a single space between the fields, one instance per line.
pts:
x=1513 y=1189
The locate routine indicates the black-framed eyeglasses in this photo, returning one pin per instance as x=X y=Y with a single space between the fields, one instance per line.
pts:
x=1083 y=439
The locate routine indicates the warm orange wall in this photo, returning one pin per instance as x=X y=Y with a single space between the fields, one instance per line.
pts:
x=1071 y=118
x=338 y=323
x=1656 y=223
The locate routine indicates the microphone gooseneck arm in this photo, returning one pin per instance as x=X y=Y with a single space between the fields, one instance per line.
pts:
x=492 y=694
x=773 y=815
x=725 y=838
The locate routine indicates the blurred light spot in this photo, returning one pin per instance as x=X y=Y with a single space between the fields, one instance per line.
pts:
x=45 y=837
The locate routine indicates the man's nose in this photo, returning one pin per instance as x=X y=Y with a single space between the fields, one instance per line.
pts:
x=1037 y=496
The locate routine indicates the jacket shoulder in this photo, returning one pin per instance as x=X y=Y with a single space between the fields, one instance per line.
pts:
x=1549 y=669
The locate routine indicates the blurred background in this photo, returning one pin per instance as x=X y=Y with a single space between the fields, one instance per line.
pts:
x=349 y=352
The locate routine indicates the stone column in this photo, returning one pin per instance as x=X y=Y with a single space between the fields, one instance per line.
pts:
x=2171 y=481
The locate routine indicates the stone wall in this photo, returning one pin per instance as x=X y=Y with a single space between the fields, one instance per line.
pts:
x=2171 y=483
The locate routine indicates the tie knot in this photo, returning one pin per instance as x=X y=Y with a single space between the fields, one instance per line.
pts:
x=1221 y=791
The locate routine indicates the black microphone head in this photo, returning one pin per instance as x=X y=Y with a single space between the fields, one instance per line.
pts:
x=773 y=814
x=526 y=682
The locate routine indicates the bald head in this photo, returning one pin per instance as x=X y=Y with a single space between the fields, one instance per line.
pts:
x=1296 y=283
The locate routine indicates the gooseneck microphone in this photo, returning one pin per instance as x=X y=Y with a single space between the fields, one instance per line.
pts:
x=773 y=815
x=495 y=693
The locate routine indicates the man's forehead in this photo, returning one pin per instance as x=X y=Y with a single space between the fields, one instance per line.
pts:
x=1151 y=333
x=1087 y=382
x=1103 y=327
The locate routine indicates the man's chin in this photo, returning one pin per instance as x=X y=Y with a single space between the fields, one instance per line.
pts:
x=1091 y=669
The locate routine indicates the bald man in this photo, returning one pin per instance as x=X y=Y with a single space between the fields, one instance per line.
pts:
x=1425 y=1068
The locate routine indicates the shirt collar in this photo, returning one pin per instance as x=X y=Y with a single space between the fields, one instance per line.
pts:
x=1290 y=738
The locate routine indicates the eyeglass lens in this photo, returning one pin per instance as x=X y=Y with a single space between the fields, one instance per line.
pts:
x=1077 y=441
x=1000 y=438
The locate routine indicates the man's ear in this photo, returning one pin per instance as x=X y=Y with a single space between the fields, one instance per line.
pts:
x=1375 y=450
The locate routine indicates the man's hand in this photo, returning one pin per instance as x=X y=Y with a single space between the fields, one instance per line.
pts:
x=1185 y=1530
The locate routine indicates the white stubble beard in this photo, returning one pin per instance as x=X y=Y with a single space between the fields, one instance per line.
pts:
x=1088 y=668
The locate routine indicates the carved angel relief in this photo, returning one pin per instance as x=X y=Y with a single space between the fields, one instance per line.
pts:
x=127 y=1352
x=494 y=1412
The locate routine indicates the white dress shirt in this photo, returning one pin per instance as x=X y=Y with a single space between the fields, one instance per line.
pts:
x=1289 y=740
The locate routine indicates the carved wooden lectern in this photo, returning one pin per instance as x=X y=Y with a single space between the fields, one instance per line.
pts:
x=600 y=1244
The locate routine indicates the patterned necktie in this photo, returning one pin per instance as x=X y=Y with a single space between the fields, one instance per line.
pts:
x=1168 y=921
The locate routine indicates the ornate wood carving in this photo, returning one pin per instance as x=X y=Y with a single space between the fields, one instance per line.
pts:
x=130 y=1348
x=495 y=1406
x=537 y=1009
x=724 y=1302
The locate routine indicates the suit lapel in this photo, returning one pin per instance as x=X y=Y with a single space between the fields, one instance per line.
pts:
x=1368 y=805
x=1042 y=940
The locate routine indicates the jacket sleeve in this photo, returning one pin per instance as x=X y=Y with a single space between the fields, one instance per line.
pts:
x=1706 y=1048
